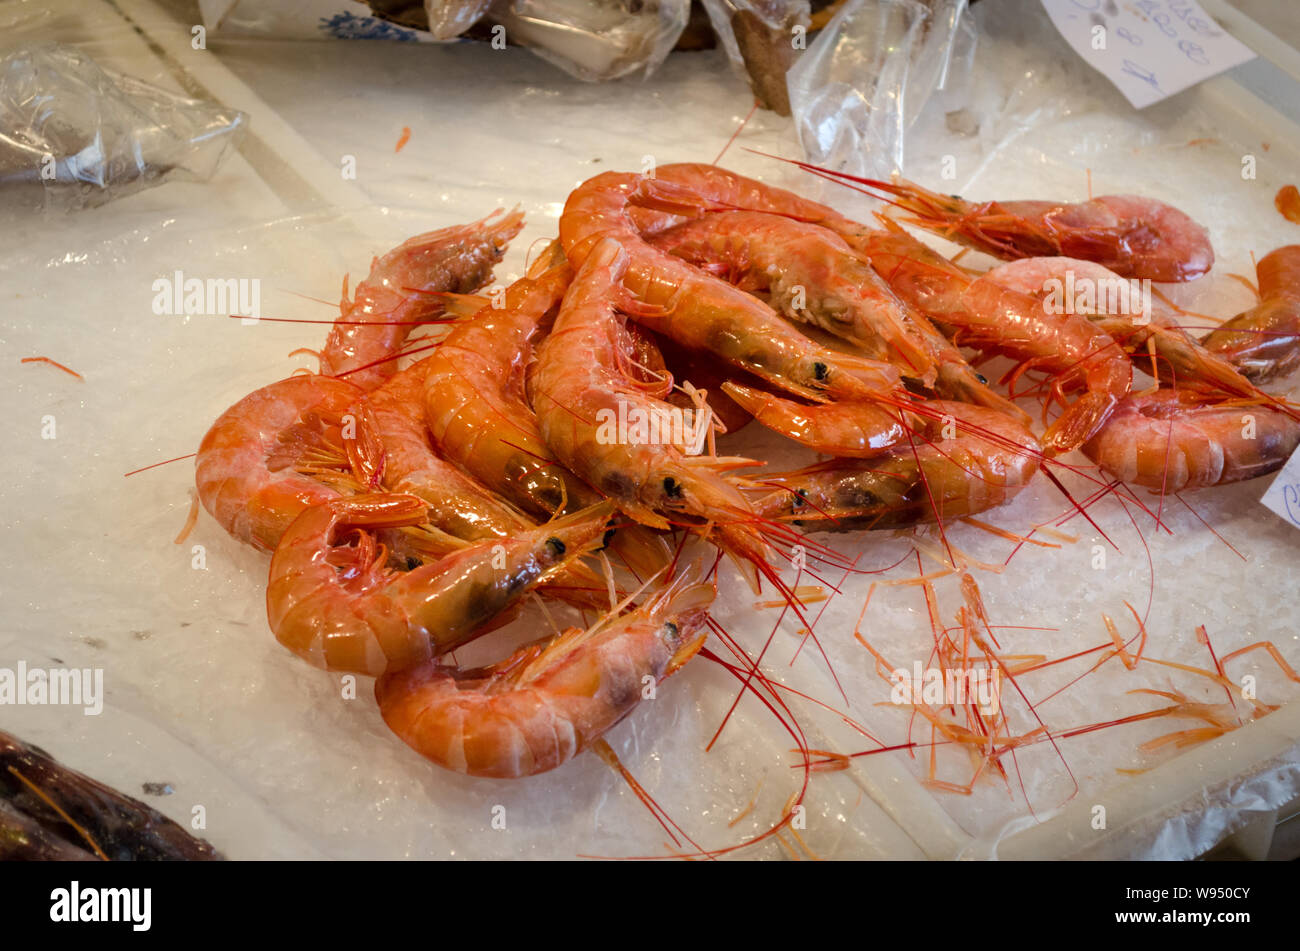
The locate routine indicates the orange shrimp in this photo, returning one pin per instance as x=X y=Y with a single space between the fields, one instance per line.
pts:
x=397 y=295
x=983 y=314
x=581 y=389
x=698 y=310
x=265 y=458
x=342 y=608
x=811 y=274
x=475 y=404
x=1117 y=307
x=457 y=503
x=964 y=460
x=1264 y=342
x=1172 y=440
x=548 y=701
x=1129 y=234
x=842 y=429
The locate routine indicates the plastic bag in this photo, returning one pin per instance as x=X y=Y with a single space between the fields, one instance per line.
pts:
x=869 y=75
x=448 y=19
x=760 y=39
x=596 y=40
x=74 y=136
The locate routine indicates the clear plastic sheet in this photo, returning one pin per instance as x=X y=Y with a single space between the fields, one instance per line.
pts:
x=869 y=75
x=74 y=136
x=596 y=41
x=199 y=696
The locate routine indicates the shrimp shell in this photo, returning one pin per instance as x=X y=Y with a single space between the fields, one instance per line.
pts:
x=245 y=469
x=339 y=608
x=401 y=292
x=1170 y=440
x=545 y=703
x=1264 y=342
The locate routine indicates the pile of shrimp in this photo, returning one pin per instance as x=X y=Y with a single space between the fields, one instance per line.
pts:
x=409 y=511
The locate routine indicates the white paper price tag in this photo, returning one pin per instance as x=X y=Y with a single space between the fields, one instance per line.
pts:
x=1283 y=495
x=1150 y=49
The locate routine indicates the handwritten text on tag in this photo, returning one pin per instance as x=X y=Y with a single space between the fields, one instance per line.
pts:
x=1283 y=495
x=1149 y=49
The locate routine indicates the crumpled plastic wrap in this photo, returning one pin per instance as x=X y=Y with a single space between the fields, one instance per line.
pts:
x=869 y=75
x=75 y=136
x=596 y=40
x=448 y=19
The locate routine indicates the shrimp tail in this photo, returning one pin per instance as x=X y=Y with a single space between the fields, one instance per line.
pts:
x=365 y=452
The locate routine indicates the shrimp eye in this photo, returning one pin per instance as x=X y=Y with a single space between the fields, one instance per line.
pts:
x=820 y=371
x=982 y=378
x=412 y=564
x=609 y=533
x=671 y=629
x=800 y=498
x=671 y=488
x=556 y=547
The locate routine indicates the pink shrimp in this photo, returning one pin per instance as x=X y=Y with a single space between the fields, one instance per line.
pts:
x=398 y=294
x=342 y=608
x=1172 y=440
x=1264 y=342
x=1118 y=307
x=962 y=461
x=981 y=313
x=811 y=274
x=270 y=456
x=548 y=701
x=1129 y=234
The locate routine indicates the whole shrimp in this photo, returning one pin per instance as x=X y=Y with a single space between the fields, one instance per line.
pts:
x=272 y=454
x=962 y=461
x=808 y=274
x=475 y=404
x=548 y=701
x=698 y=310
x=287 y=445
x=811 y=274
x=985 y=314
x=1129 y=234
x=406 y=463
x=982 y=313
x=341 y=608
x=581 y=384
x=397 y=295
x=1140 y=328
x=1264 y=342
x=393 y=420
x=1172 y=440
